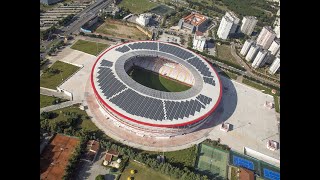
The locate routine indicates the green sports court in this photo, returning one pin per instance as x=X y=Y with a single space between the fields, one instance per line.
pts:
x=212 y=160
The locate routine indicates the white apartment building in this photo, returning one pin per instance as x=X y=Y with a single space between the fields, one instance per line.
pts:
x=234 y=19
x=248 y=24
x=266 y=37
x=228 y=25
x=275 y=47
x=252 y=52
x=277 y=27
x=275 y=66
x=259 y=60
x=199 y=41
x=143 y=19
x=246 y=46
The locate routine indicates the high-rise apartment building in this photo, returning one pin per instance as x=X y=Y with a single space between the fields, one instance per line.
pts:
x=248 y=24
x=252 y=52
x=259 y=60
x=266 y=37
x=275 y=66
x=246 y=46
x=228 y=25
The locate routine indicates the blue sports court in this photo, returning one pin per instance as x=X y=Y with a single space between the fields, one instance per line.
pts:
x=272 y=175
x=238 y=161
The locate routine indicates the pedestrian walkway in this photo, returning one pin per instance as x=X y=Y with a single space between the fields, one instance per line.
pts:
x=59 y=106
x=239 y=79
x=49 y=92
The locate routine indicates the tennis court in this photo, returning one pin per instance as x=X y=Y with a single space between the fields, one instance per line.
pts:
x=161 y=10
x=268 y=174
x=241 y=160
x=269 y=171
x=238 y=161
x=212 y=160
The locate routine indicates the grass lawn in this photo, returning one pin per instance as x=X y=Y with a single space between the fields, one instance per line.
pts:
x=155 y=81
x=89 y=47
x=257 y=86
x=52 y=80
x=229 y=75
x=85 y=123
x=120 y=29
x=137 y=6
x=48 y=100
x=234 y=173
x=185 y=157
x=224 y=53
x=276 y=104
x=142 y=173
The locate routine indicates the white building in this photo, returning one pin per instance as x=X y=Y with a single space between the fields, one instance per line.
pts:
x=248 y=24
x=235 y=21
x=266 y=37
x=275 y=47
x=252 y=52
x=199 y=41
x=228 y=25
x=259 y=60
x=246 y=46
x=143 y=19
x=275 y=66
x=277 y=27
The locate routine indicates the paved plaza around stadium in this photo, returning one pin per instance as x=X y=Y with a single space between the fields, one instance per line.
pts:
x=241 y=106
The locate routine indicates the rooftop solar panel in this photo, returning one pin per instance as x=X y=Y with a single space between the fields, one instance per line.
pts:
x=198 y=64
x=106 y=63
x=209 y=81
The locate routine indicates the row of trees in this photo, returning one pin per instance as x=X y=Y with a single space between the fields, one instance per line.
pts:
x=74 y=160
x=263 y=83
x=44 y=35
x=42 y=61
x=216 y=144
x=265 y=76
x=168 y=169
x=55 y=47
x=68 y=126
x=66 y=20
x=97 y=36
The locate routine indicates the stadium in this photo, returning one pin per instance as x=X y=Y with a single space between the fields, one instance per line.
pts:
x=155 y=89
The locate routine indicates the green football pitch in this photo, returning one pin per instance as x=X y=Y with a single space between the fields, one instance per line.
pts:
x=155 y=81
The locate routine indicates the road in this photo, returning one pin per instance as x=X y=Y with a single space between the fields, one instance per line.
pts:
x=84 y=16
x=248 y=69
x=59 y=106
x=79 y=20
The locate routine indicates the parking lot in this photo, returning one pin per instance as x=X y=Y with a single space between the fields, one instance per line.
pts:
x=51 y=17
x=170 y=38
x=91 y=171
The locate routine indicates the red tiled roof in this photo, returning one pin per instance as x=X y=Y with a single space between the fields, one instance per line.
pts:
x=108 y=157
x=198 y=33
x=246 y=174
x=93 y=145
x=195 y=19
x=113 y=152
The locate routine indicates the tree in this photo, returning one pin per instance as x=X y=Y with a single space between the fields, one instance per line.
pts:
x=210 y=33
x=48 y=115
x=190 y=41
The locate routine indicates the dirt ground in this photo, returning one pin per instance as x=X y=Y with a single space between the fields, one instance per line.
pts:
x=120 y=29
